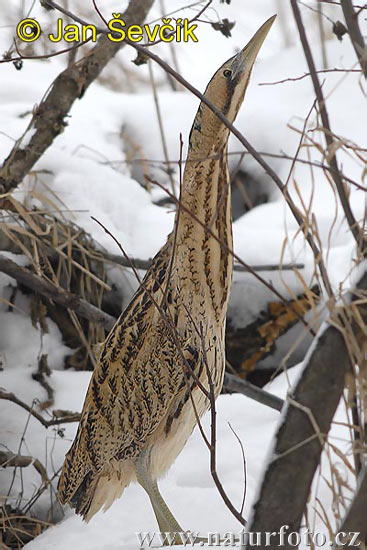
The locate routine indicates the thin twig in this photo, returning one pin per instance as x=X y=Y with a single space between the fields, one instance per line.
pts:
x=320 y=22
x=281 y=156
x=244 y=468
x=22 y=56
x=66 y=419
x=331 y=152
x=213 y=426
x=145 y=264
x=305 y=75
x=160 y=126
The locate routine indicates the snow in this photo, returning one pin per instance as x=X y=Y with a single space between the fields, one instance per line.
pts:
x=188 y=487
x=90 y=172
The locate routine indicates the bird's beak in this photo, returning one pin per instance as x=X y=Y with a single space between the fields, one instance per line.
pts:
x=246 y=57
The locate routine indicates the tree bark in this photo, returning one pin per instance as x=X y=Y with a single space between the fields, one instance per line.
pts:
x=356 y=37
x=49 y=117
x=355 y=520
x=299 y=440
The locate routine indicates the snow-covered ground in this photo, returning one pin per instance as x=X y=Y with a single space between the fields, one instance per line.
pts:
x=188 y=487
x=90 y=176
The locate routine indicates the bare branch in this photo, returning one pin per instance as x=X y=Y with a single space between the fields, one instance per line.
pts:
x=60 y=417
x=351 y=20
x=235 y=384
x=7 y=245
x=22 y=56
x=58 y=294
x=10 y=459
x=49 y=117
x=145 y=264
x=305 y=75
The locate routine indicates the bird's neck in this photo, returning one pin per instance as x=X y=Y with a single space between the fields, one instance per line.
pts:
x=205 y=194
x=204 y=228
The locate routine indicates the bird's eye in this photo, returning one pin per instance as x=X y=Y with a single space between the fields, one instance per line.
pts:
x=227 y=73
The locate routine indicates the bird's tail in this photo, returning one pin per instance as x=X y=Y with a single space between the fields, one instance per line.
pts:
x=76 y=485
x=87 y=490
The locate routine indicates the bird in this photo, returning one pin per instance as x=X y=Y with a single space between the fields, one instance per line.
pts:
x=156 y=367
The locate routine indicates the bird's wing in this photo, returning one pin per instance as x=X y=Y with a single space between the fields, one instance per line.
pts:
x=136 y=377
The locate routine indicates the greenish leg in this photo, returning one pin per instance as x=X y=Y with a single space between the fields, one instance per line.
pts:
x=165 y=518
x=166 y=521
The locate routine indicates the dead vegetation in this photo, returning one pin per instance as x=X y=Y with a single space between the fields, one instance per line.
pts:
x=66 y=279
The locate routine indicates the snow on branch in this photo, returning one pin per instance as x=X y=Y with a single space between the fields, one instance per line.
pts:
x=306 y=421
x=48 y=119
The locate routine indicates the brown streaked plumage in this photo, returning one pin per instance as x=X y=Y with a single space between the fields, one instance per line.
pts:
x=140 y=405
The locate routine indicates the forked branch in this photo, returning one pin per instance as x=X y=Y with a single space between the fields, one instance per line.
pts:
x=60 y=417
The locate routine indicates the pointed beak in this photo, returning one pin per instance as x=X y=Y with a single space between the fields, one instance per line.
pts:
x=245 y=59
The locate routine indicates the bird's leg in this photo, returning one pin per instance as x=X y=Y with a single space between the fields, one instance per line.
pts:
x=165 y=518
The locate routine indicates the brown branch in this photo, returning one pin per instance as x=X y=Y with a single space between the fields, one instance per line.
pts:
x=7 y=245
x=39 y=376
x=235 y=384
x=305 y=75
x=59 y=416
x=9 y=459
x=331 y=150
x=300 y=437
x=48 y=119
x=213 y=428
x=242 y=154
x=244 y=467
x=20 y=56
x=58 y=294
x=145 y=264
x=351 y=20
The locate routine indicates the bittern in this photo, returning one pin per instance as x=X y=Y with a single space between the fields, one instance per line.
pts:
x=146 y=392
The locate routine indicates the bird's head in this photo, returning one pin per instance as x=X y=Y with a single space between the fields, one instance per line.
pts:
x=226 y=91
